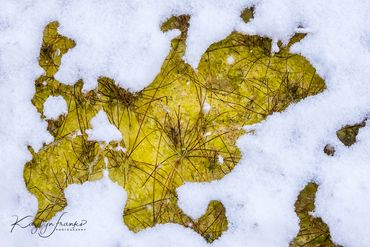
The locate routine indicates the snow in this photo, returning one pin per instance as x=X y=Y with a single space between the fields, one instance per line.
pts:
x=54 y=106
x=102 y=130
x=120 y=148
x=220 y=159
x=230 y=60
x=206 y=107
x=344 y=198
x=122 y=40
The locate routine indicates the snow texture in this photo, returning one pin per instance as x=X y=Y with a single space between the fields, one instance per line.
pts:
x=122 y=40
x=102 y=130
x=55 y=106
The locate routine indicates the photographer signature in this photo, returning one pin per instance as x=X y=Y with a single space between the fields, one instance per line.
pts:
x=46 y=229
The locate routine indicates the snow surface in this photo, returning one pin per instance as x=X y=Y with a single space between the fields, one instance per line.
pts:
x=54 y=106
x=122 y=40
x=102 y=130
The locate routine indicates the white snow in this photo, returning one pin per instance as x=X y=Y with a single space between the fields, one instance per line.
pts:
x=54 y=106
x=120 y=148
x=206 y=107
x=102 y=130
x=220 y=159
x=343 y=198
x=122 y=40
x=230 y=60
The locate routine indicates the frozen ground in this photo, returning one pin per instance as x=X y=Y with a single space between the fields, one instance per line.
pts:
x=122 y=40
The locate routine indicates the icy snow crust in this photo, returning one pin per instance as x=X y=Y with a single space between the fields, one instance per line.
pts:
x=283 y=154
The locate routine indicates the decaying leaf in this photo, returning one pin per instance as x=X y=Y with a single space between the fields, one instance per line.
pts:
x=313 y=231
x=181 y=128
x=347 y=135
